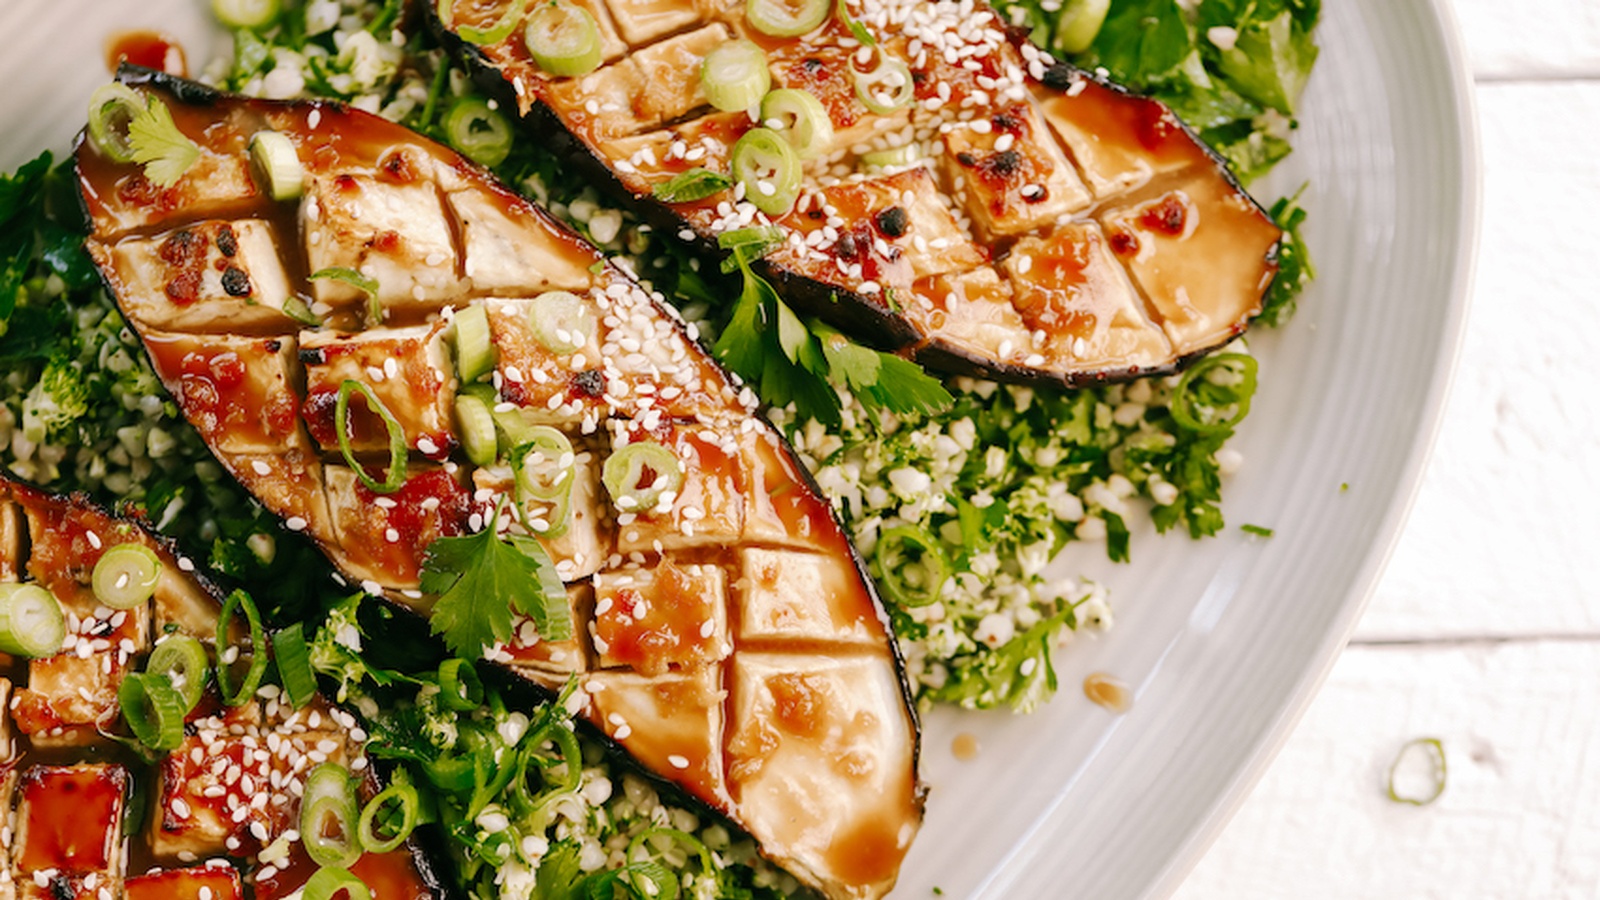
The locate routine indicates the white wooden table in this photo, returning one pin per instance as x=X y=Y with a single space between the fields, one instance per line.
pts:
x=1485 y=630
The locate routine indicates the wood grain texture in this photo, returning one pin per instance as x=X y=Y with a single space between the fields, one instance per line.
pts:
x=1485 y=630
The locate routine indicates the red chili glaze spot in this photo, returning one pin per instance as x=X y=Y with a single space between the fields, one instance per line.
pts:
x=397 y=166
x=1153 y=124
x=386 y=242
x=186 y=252
x=1123 y=243
x=138 y=191
x=416 y=524
x=1166 y=216
x=858 y=245
x=390 y=876
x=659 y=627
x=74 y=814
x=150 y=49
x=826 y=76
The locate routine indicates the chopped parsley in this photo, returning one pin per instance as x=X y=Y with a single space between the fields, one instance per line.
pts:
x=1257 y=530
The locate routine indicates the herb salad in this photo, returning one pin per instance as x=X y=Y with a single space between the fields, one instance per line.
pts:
x=959 y=494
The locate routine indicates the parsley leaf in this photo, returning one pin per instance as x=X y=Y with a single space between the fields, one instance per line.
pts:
x=1295 y=271
x=481 y=578
x=1003 y=675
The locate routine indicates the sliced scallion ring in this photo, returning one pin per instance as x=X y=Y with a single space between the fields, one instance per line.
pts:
x=329 y=819
x=562 y=321
x=278 y=164
x=769 y=169
x=479 y=131
x=1424 y=751
x=111 y=108
x=396 y=476
x=460 y=688
x=637 y=475
x=892 y=158
x=801 y=118
x=153 y=709
x=186 y=665
x=496 y=32
x=239 y=601
x=563 y=38
x=640 y=847
x=475 y=424
x=294 y=665
x=253 y=14
x=531 y=761
x=887 y=86
x=544 y=468
x=366 y=284
x=1215 y=394
x=31 y=621
x=377 y=817
x=786 y=18
x=734 y=76
x=1078 y=24
x=126 y=575
x=911 y=568
x=475 y=351
x=329 y=881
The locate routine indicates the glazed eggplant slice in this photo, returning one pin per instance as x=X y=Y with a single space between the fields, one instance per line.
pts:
x=216 y=817
x=979 y=207
x=476 y=362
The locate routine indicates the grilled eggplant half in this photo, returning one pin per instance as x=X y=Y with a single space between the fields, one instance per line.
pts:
x=977 y=206
x=218 y=815
x=490 y=366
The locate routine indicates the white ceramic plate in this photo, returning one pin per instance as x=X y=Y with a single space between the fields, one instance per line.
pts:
x=1225 y=640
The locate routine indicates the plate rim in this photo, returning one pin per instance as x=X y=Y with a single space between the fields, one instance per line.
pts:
x=1375 y=560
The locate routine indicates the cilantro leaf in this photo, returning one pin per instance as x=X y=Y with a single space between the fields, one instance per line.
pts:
x=164 y=151
x=480 y=579
x=881 y=380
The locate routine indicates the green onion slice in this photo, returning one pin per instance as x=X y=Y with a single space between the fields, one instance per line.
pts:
x=294 y=665
x=278 y=164
x=125 y=575
x=639 y=474
x=397 y=438
x=459 y=686
x=185 y=664
x=769 y=169
x=687 y=187
x=545 y=467
x=328 y=882
x=887 y=86
x=378 y=816
x=476 y=427
x=112 y=108
x=153 y=708
x=912 y=569
x=479 y=131
x=255 y=14
x=240 y=601
x=1078 y=24
x=366 y=284
x=31 y=621
x=296 y=308
x=475 y=351
x=563 y=38
x=893 y=158
x=1215 y=394
x=800 y=118
x=842 y=10
x=1431 y=752
x=329 y=818
x=786 y=18
x=747 y=244
x=496 y=32
x=734 y=76
x=531 y=761
x=562 y=321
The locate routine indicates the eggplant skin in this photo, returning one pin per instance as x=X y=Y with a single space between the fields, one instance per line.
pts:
x=1164 y=297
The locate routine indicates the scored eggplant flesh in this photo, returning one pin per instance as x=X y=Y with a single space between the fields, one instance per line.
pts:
x=1043 y=225
x=74 y=833
x=726 y=637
